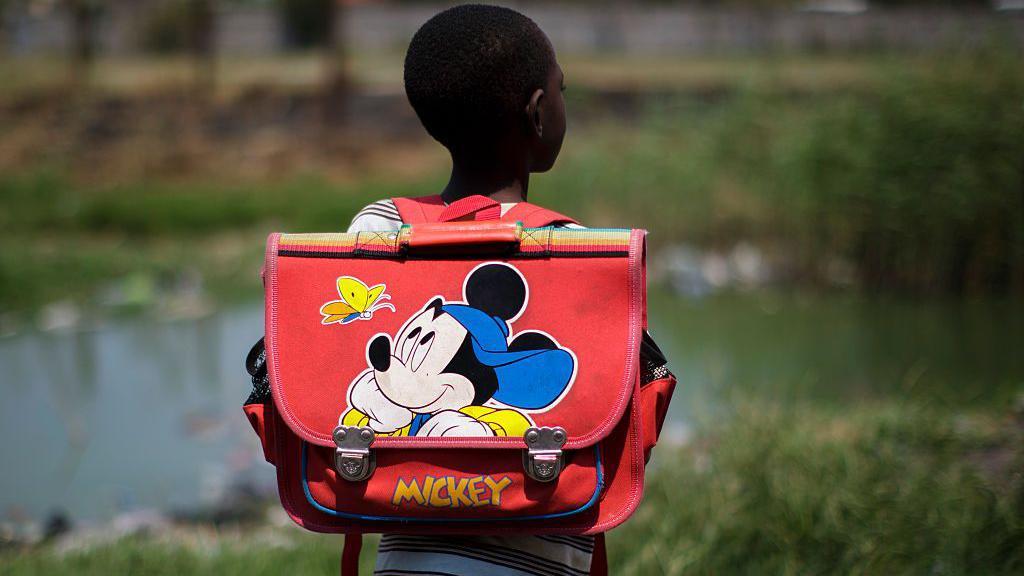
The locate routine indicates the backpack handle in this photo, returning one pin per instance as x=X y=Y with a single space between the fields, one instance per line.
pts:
x=476 y=235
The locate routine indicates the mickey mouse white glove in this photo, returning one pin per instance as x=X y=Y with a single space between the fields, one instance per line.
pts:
x=454 y=423
x=384 y=415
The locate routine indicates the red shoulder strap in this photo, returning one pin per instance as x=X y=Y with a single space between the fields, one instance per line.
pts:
x=599 y=559
x=419 y=209
x=533 y=216
x=350 y=554
x=475 y=207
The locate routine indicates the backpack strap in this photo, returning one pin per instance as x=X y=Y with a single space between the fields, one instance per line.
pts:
x=533 y=216
x=599 y=559
x=350 y=554
x=419 y=209
x=475 y=207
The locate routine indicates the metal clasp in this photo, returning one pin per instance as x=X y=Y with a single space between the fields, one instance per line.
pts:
x=543 y=458
x=353 y=459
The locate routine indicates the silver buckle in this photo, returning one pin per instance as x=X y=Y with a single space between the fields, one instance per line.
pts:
x=353 y=459
x=543 y=458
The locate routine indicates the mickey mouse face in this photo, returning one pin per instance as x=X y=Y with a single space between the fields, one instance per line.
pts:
x=410 y=370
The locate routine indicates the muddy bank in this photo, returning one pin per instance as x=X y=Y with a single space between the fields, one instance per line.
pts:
x=258 y=132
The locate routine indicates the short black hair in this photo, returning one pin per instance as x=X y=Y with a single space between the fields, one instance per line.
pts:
x=471 y=68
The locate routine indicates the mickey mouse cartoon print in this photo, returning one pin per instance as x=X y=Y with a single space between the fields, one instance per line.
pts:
x=454 y=368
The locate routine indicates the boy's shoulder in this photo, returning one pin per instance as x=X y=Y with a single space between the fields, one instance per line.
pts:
x=379 y=216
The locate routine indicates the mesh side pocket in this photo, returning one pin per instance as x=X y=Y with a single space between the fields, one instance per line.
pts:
x=256 y=365
x=653 y=365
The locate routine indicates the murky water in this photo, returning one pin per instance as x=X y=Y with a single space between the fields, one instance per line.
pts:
x=144 y=413
x=838 y=349
x=140 y=413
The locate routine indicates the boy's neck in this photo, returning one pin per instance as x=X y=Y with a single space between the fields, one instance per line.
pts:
x=502 y=183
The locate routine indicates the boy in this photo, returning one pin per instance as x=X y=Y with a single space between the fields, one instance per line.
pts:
x=485 y=83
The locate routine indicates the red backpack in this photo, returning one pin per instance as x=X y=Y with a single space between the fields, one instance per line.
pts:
x=473 y=373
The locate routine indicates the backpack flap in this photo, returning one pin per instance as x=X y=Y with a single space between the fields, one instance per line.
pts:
x=417 y=378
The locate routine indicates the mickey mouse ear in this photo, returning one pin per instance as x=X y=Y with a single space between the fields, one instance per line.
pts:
x=497 y=289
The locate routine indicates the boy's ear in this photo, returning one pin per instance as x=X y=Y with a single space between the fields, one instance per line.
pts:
x=533 y=114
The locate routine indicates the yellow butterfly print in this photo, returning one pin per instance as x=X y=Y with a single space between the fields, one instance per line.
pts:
x=357 y=302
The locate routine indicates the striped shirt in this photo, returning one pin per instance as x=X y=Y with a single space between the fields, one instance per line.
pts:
x=381 y=216
x=518 y=555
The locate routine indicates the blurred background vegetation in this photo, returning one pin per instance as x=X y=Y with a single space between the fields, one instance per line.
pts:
x=835 y=192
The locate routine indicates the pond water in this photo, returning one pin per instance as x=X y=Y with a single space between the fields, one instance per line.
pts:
x=145 y=413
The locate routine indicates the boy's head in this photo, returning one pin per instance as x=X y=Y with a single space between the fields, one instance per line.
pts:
x=484 y=79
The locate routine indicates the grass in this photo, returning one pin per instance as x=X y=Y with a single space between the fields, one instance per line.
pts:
x=206 y=552
x=876 y=489
x=916 y=184
x=870 y=490
x=65 y=242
